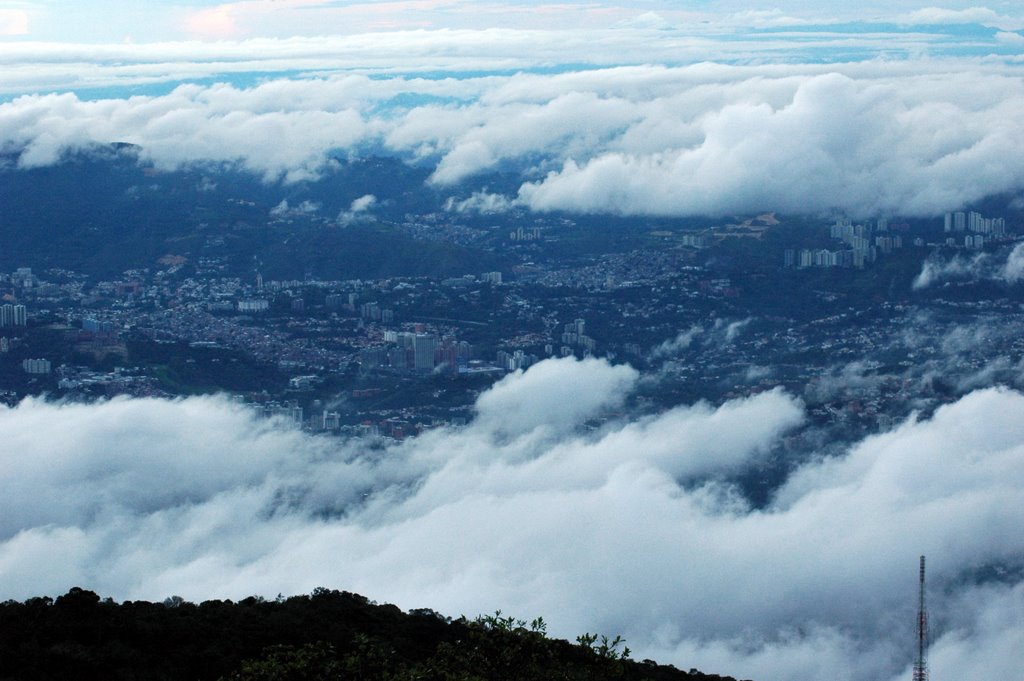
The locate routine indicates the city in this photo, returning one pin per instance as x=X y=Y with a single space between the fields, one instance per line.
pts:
x=396 y=356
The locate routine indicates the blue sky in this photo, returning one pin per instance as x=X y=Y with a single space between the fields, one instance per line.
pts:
x=107 y=48
x=99 y=21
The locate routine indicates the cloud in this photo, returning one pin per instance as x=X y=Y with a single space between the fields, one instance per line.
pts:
x=647 y=20
x=936 y=269
x=650 y=140
x=982 y=266
x=629 y=528
x=676 y=345
x=970 y=15
x=747 y=154
x=556 y=394
x=481 y=202
x=1013 y=271
x=718 y=334
x=358 y=210
x=772 y=18
x=283 y=209
x=1010 y=38
x=363 y=203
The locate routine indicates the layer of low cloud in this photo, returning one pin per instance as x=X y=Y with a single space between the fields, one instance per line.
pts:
x=631 y=528
x=969 y=15
x=865 y=139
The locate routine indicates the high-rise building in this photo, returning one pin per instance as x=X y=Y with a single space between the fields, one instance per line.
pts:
x=975 y=222
x=23 y=277
x=36 y=366
x=20 y=315
x=423 y=351
x=258 y=305
x=331 y=420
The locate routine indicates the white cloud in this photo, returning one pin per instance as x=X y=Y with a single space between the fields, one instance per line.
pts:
x=722 y=332
x=358 y=210
x=969 y=15
x=482 y=202
x=555 y=394
x=1013 y=271
x=936 y=269
x=628 y=529
x=363 y=203
x=907 y=138
x=283 y=209
x=1010 y=38
x=681 y=342
x=982 y=266
x=646 y=20
x=772 y=18
x=808 y=153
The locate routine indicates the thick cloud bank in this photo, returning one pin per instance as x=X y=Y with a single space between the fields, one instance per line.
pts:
x=628 y=528
x=871 y=138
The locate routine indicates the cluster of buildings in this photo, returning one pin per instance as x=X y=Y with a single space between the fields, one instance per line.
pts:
x=525 y=234
x=864 y=242
x=289 y=411
x=81 y=380
x=974 y=222
x=321 y=420
x=39 y=367
x=13 y=315
x=976 y=229
x=417 y=352
x=575 y=335
x=516 y=360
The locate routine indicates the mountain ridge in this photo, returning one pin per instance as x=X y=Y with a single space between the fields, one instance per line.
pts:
x=328 y=634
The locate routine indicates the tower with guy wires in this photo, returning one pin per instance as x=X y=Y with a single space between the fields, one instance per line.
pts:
x=921 y=663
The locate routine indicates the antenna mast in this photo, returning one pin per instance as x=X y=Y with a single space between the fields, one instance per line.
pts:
x=921 y=664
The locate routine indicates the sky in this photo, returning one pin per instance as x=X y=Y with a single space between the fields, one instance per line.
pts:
x=143 y=21
x=634 y=108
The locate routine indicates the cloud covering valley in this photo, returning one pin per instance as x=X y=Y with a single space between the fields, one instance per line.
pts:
x=632 y=528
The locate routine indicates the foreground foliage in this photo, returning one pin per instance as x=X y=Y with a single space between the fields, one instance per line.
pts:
x=327 y=636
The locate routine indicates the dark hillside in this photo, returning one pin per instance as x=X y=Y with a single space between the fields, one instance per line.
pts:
x=103 y=211
x=328 y=635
